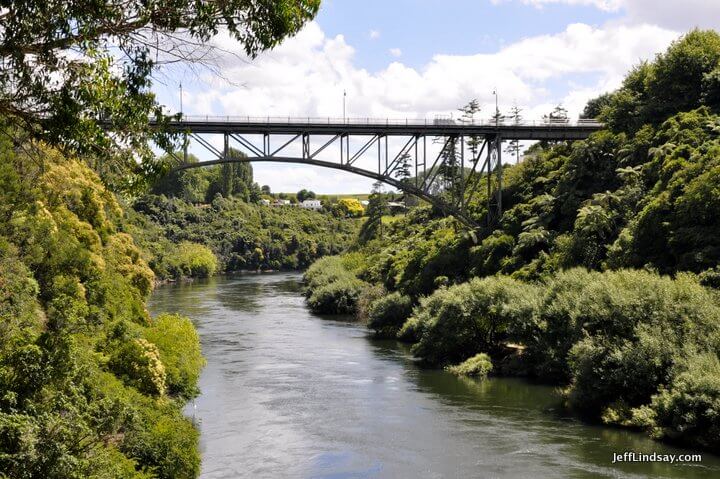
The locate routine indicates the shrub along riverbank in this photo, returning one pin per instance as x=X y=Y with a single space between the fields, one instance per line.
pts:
x=598 y=277
x=91 y=385
x=184 y=239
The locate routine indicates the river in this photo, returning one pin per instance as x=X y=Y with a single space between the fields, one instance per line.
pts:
x=286 y=393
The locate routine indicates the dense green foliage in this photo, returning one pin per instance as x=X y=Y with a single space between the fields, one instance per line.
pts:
x=201 y=184
x=92 y=387
x=190 y=260
x=388 y=313
x=332 y=288
x=179 y=347
x=478 y=366
x=242 y=236
x=199 y=220
x=461 y=321
x=600 y=274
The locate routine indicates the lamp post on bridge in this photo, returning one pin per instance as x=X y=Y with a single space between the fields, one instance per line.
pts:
x=497 y=109
x=344 y=96
x=185 y=136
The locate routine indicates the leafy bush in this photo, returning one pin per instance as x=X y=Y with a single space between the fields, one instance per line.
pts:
x=623 y=312
x=477 y=366
x=164 y=440
x=191 y=260
x=388 y=313
x=710 y=278
x=348 y=207
x=461 y=321
x=325 y=271
x=138 y=364
x=687 y=409
x=337 y=297
x=179 y=347
x=368 y=296
x=488 y=258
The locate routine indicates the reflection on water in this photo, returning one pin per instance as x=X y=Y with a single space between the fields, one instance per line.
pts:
x=289 y=394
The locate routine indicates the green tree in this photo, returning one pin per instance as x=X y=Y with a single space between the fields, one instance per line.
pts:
x=232 y=179
x=67 y=68
x=304 y=194
x=559 y=114
x=191 y=184
x=468 y=116
x=376 y=209
x=402 y=170
x=594 y=107
x=514 y=145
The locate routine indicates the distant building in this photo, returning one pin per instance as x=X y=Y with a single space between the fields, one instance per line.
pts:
x=396 y=207
x=264 y=202
x=364 y=202
x=280 y=202
x=311 y=205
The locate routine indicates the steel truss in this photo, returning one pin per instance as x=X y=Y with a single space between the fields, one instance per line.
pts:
x=448 y=180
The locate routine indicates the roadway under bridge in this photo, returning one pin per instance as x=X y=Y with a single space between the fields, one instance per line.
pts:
x=443 y=161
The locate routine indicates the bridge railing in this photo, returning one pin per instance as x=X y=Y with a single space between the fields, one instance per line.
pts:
x=275 y=120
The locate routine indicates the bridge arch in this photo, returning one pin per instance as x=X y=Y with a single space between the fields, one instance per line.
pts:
x=447 y=209
x=310 y=136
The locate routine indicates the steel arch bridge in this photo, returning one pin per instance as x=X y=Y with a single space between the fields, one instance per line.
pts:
x=469 y=150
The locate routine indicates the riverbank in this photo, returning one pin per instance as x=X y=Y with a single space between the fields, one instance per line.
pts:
x=289 y=393
x=630 y=348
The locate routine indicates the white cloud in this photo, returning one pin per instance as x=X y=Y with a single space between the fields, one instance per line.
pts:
x=306 y=76
x=396 y=52
x=606 y=5
x=681 y=15
x=374 y=34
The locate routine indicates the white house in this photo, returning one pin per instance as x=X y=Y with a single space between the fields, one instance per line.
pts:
x=281 y=202
x=264 y=202
x=312 y=205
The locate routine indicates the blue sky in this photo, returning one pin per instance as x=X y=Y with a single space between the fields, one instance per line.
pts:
x=423 y=28
x=421 y=58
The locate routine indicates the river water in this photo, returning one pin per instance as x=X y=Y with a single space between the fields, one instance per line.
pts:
x=289 y=394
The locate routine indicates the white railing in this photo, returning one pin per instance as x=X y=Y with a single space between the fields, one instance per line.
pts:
x=490 y=122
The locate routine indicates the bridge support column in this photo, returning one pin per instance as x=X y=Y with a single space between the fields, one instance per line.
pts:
x=494 y=173
x=306 y=145
x=226 y=145
x=488 y=175
x=499 y=170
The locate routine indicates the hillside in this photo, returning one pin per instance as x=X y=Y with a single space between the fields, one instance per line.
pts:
x=599 y=275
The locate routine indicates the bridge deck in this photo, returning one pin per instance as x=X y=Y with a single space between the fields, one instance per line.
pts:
x=539 y=130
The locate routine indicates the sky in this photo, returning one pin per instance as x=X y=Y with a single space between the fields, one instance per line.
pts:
x=424 y=58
